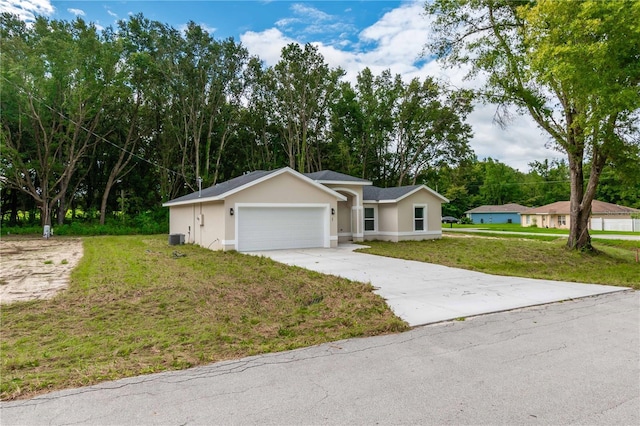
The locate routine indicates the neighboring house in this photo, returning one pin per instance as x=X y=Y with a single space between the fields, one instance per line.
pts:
x=507 y=213
x=556 y=215
x=280 y=209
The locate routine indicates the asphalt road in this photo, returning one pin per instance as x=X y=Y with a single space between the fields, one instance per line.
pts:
x=576 y=362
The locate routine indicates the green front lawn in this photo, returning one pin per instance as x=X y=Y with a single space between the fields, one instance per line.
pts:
x=136 y=305
x=529 y=229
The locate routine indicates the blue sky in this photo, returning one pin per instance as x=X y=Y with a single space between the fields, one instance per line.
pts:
x=350 y=34
x=323 y=21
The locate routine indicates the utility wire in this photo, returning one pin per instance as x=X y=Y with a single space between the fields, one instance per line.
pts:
x=99 y=137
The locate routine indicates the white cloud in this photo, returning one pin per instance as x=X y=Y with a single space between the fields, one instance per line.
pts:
x=313 y=22
x=27 y=9
x=286 y=22
x=517 y=145
x=266 y=44
x=311 y=12
x=396 y=42
x=111 y=13
x=77 y=12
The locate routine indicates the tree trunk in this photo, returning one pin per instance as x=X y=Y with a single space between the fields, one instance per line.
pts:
x=62 y=210
x=105 y=198
x=13 y=217
x=579 y=238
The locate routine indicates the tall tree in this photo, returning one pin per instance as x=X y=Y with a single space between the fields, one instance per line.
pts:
x=429 y=129
x=501 y=184
x=148 y=48
x=572 y=66
x=377 y=96
x=547 y=182
x=303 y=87
x=58 y=73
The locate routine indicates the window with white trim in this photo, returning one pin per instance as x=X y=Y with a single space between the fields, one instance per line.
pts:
x=562 y=220
x=419 y=217
x=369 y=219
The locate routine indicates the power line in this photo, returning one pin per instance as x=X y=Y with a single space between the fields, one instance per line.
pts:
x=99 y=137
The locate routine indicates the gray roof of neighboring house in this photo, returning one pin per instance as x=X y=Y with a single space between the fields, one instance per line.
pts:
x=504 y=208
x=376 y=194
x=221 y=188
x=597 y=207
x=330 y=175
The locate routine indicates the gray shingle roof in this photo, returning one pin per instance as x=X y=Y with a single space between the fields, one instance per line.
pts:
x=223 y=187
x=597 y=207
x=330 y=175
x=504 y=208
x=377 y=194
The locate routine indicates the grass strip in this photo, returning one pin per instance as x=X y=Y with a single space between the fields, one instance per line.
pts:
x=529 y=229
x=136 y=305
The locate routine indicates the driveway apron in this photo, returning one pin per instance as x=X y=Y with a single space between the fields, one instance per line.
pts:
x=423 y=293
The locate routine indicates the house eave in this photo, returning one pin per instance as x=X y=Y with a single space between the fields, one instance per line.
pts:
x=341 y=182
x=193 y=201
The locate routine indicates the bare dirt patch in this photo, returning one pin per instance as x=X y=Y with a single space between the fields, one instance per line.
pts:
x=36 y=268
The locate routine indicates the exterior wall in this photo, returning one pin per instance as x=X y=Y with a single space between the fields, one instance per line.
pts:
x=554 y=221
x=546 y=220
x=479 y=218
x=187 y=220
x=396 y=221
x=387 y=223
x=433 y=222
x=281 y=189
x=211 y=233
x=182 y=220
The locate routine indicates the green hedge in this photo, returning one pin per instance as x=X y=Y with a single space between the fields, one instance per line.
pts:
x=152 y=222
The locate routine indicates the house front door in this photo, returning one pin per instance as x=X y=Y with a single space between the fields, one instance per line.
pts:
x=345 y=233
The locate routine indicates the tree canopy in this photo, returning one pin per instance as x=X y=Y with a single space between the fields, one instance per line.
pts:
x=127 y=117
x=574 y=67
x=115 y=121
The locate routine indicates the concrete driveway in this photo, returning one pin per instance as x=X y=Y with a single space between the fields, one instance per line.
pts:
x=423 y=293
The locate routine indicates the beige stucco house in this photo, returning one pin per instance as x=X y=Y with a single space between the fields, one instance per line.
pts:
x=557 y=215
x=281 y=209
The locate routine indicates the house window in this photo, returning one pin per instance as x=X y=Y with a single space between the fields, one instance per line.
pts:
x=369 y=219
x=418 y=218
x=562 y=220
x=528 y=219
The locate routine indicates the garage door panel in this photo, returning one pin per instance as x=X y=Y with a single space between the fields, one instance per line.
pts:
x=269 y=228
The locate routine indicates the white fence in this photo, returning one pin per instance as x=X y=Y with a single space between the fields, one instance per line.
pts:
x=602 y=224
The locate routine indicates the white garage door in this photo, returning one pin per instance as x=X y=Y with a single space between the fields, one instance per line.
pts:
x=271 y=228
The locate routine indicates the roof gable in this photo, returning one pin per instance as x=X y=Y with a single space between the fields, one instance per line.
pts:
x=395 y=194
x=329 y=176
x=222 y=190
x=597 y=207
